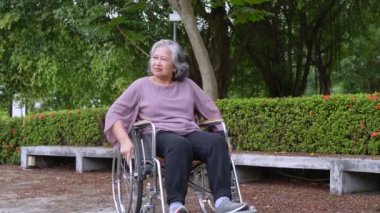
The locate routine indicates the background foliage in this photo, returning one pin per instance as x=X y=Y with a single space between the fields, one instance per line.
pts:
x=74 y=54
x=74 y=58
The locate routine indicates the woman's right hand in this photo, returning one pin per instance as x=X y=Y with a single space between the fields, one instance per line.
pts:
x=126 y=146
x=127 y=149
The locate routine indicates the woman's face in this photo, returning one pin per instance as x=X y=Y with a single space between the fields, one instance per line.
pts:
x=162 y=65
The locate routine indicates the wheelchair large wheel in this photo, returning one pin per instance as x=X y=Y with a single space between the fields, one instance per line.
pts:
x=127 y=182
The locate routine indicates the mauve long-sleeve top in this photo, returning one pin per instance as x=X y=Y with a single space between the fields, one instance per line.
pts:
x=170 y=108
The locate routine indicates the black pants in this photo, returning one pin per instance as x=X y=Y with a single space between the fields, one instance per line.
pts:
x=179 y=151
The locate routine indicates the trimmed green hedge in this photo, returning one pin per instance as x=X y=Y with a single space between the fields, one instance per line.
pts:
x=341 y=124
x=10 y=140
x=72 y=128
x=69 y=127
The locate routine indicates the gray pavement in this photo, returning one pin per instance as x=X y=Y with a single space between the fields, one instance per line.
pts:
x=53 y=190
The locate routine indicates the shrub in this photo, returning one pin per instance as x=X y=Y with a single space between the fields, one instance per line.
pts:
x=73 y=127
x=10 y=139
x=342 y=124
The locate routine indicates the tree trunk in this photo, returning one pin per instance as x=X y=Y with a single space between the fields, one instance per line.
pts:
x=323 y=61
x=185 y=11
x=220 y=49
x=327 y=42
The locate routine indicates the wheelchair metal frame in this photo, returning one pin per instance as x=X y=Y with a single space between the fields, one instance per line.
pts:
x=128 y=177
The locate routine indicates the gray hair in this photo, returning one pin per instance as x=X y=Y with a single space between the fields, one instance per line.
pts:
x=181 y=67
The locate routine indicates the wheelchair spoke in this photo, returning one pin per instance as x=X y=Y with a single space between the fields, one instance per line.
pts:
x=127 y=185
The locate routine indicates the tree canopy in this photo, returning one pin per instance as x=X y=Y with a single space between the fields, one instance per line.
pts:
x=71 y=54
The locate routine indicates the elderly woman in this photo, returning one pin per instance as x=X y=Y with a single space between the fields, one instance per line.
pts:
x=169 y=99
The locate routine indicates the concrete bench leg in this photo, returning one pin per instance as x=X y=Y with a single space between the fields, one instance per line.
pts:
x=84 y=164
x=336 y=178
x=28 y=161
x=346 y=182
x=24 y=159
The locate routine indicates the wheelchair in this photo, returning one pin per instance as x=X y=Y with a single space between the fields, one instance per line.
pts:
x=138 y=185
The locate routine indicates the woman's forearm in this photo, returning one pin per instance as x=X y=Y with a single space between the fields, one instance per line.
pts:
x=120 y=133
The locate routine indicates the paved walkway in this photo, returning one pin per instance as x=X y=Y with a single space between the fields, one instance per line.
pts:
x=62 y=190
x=53 y=190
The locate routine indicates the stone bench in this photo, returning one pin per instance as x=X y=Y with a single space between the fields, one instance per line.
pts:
x=347 y=174
x=86 y=158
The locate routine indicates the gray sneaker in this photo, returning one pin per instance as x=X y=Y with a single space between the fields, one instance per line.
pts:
x=230 y=207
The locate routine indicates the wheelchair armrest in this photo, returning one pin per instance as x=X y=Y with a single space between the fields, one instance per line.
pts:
x=211 y=122
x=211 y=126
x=143 y=124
